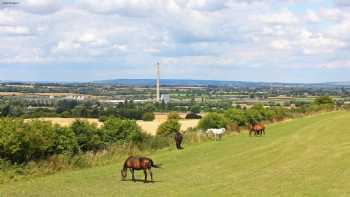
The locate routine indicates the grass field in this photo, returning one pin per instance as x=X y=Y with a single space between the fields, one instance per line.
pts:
x=303 y=157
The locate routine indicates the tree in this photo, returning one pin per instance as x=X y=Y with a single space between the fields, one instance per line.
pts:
x=148 y=116
x=89 y=137
x=169 y=127
x=174 y=115
x=118 y=130
x=323 y=100
x=212 y=120
x=236 y=116
x=195 y=109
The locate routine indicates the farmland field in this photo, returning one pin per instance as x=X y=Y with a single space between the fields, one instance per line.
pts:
x=303 y=157
x=149 y=127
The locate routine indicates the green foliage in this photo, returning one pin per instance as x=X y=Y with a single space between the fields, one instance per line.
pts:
x=347 y=107
x=65 y=105
x=169 y=127
x=212 y=120
x=148 y=116
x=174 y=115
x=118 y=130
x=235 y=115
x=89 y=137
x=324 y=100
x=195 y=109
x=65 y=141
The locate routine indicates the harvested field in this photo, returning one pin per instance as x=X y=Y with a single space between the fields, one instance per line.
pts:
x=149 y=127
x=68 y=121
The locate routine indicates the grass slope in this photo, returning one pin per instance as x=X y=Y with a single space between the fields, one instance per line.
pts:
x=303 y=157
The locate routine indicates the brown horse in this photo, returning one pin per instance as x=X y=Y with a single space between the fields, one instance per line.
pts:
x=138 y=163
x=178 y=140
x=257 y=129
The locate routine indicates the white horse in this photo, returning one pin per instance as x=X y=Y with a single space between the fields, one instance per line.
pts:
x=216 y=132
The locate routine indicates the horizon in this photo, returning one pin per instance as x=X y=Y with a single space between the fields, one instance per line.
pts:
x=266 y=41
x=166 y=79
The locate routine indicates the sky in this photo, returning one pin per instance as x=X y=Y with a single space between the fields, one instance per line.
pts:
x=237 y=40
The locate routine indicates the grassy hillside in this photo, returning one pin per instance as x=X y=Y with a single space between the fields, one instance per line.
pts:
x=304 y=157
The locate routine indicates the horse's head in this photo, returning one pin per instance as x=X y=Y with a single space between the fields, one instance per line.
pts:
x=123 y=172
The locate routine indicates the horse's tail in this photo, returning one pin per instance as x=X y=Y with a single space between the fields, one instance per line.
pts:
x=154 y=165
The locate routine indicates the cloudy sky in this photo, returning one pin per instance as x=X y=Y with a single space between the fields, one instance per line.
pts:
x=249 y=40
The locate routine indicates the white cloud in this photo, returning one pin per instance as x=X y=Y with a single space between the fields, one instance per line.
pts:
x=312 y=16
x=280 y=44
x=237 y=33
x=14 y=30
x=318 y=43
x=40 y=6
x=284 y=17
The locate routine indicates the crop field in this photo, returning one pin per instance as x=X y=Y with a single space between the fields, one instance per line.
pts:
x=68 y=121
x=149 y=127
x=304 y=157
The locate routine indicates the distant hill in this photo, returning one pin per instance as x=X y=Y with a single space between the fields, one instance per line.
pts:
x=192 y=82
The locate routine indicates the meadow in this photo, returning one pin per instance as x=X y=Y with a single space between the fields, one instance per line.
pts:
x=309 y=156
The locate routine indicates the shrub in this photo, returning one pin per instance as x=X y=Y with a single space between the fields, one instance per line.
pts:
x=322 y=100
x=89 y=137
x=65 y=141
x=212 y=120
x=193 y=116
x=174 y=115
x=148 y=116
x=195 y=109
x=169 y=127
x=118 y=130
x=347 y=107
x=237 y=116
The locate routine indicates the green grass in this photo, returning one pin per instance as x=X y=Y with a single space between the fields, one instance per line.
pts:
x=304 y=157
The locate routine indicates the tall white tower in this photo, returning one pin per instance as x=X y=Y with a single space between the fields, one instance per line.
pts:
x=158 y=81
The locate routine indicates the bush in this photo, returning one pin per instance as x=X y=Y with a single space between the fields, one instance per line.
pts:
x=237 y=116
x=89 y=137
x=212 y=120
x=193 y=116
x=148 y=116
x=171 y=126
x=118 y=130
x=347 y=107
x=195 y=109
x=174 y=115
x=324 y=100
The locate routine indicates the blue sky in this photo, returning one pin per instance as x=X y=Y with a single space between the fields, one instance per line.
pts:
x=246 y=40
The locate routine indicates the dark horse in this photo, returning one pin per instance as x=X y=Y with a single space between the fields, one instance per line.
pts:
x=178 y=140
x=138 y=163
x=257 y=129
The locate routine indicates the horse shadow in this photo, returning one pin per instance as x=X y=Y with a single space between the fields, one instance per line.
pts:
x=140 y=181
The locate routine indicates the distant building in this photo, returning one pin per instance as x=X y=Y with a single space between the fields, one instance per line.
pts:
x=77 y=97
x=165 y=98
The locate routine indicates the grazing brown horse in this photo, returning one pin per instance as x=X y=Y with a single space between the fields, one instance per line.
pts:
x=138 y=163
x=257 y=129
x=178 y=140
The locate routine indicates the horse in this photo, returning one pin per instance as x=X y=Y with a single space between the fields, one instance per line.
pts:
x=216 y=132
x=138 y=163
x=257 y=128
x=178 y=140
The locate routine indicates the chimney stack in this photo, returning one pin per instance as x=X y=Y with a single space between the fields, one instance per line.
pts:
x=158 y=82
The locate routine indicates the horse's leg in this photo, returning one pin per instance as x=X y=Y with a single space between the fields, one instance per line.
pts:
x=145 y=172
x=133 y=175
x=150 y=173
